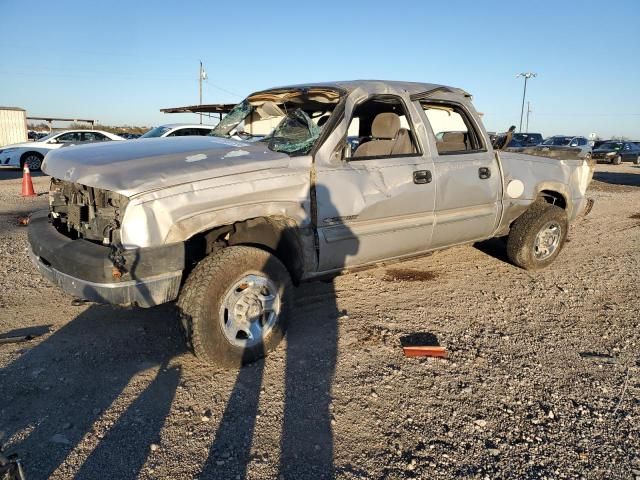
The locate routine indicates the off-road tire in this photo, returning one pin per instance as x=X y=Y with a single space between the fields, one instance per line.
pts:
x=522 y=236
x=24 y=158
x=617 y=160
x=203 y=292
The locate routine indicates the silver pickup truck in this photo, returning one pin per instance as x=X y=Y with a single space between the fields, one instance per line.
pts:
x=295 y=183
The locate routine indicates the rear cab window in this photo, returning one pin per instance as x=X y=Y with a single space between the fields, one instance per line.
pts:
x=452 y=127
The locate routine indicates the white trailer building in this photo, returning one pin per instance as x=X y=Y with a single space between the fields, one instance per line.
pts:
x=13 y=125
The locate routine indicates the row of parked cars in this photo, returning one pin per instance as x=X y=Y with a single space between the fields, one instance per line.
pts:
x=610 y=151
x=32 y=153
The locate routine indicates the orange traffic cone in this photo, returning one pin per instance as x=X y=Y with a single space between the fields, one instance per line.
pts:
x=27 y=184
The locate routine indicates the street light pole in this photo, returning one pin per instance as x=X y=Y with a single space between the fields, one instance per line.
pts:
x=527 y=76
x=528 y=112
x=200 y=85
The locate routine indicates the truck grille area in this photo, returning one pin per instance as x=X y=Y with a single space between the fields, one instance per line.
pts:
x=78 y=211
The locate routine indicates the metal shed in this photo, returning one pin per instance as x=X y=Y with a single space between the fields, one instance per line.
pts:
x=13 y=125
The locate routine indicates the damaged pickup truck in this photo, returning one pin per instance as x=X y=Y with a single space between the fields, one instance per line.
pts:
x=295 y=183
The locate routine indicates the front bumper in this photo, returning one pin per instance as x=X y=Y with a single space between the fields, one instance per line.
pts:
x=151 y=276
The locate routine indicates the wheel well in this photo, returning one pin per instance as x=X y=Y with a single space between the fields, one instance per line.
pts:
x=554 y=198
x=22 y=157
x=277 y=235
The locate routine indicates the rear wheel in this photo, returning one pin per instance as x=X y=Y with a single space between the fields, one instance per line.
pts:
x=33 y=160
x=537 y=237
x=235 y=305
x=637 y=160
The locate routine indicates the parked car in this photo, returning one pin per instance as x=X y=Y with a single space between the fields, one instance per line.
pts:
x=225 y=224
x=617 y=152
x=564 y=142
x=32 y=153
x=129 y=136
x=178 y=130
x=525 y=140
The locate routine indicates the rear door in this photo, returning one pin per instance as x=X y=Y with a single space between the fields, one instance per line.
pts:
x=628 y=152
x=468 y=178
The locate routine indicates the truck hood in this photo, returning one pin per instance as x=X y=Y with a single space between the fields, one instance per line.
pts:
x=138 y=166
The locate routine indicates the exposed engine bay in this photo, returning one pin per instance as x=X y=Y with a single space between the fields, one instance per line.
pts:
x=78 y=211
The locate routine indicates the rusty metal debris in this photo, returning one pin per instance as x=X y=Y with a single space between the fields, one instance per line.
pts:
x=11 y=467
x=425 y=351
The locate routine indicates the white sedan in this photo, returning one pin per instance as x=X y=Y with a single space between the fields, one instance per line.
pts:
x=179 y=130
x=32 y=153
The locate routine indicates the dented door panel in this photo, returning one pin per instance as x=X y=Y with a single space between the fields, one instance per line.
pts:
x=370 y=210
x=467 y=206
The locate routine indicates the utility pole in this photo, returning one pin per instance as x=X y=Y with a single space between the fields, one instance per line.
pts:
x=202 y=75
x=527 y=76
x=528 y=112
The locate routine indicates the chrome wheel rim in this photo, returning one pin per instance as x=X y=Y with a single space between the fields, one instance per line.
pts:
x=250 y=310
x=33 y=162
x=547 y=241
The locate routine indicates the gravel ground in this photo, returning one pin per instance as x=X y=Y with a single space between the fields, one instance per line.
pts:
x=542 y=379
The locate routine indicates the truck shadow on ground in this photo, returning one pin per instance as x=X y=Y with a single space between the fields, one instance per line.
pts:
x=494 y=247
x=53 y=394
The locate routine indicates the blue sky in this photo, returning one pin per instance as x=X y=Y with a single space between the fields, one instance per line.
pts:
x=121 y=61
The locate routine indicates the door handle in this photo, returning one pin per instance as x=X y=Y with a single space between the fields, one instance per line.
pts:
x=484 y=173
x=422 y=176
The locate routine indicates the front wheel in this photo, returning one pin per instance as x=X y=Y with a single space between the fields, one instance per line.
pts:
x=235 y=305
x=537 y=237
x=617 y=160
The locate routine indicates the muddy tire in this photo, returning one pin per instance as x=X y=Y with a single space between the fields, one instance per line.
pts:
x=617 y=160
x=537 y=236
x=33 y=159
x=235 y=305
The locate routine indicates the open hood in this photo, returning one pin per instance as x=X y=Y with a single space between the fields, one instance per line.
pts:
x=138 y=166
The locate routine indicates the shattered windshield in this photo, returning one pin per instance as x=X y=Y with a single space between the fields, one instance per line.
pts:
x=296 y=133
x=287 y=120
x=232 y=119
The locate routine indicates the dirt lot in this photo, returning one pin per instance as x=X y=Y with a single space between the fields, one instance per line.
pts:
x=543 y=379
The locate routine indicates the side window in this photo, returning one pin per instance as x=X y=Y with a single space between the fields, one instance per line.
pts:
x=582 y=142
x=69 y=137
x=93 y=137
x=452 y=127
x=627 y=147
x=380 y=128
x=204 y=131
x=181 y=132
